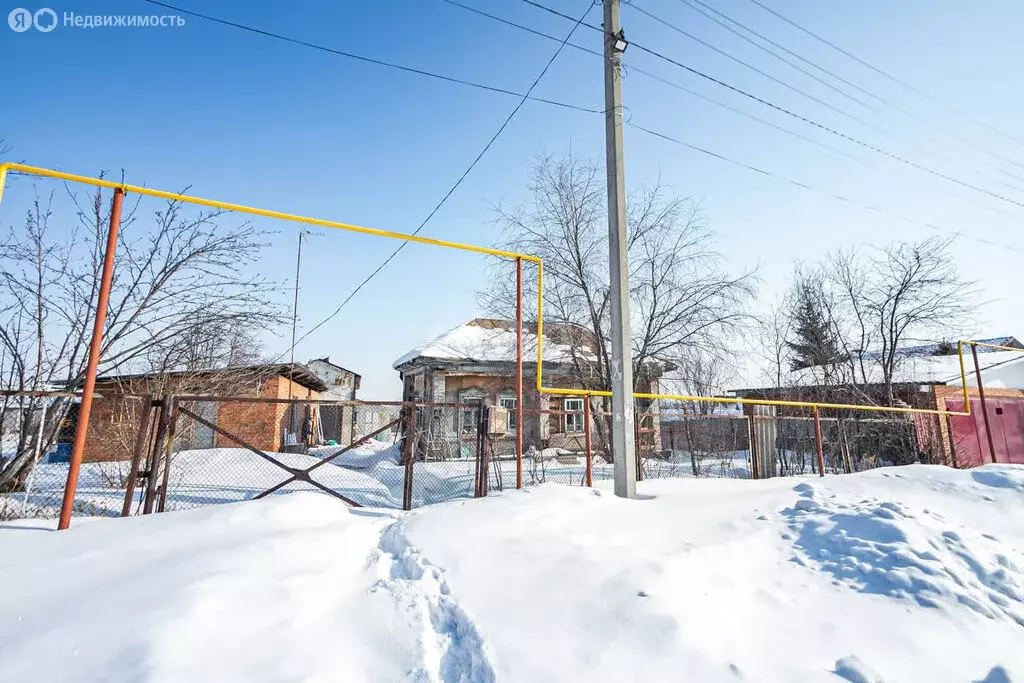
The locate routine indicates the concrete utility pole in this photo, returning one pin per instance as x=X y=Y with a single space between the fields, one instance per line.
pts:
x=623 y=445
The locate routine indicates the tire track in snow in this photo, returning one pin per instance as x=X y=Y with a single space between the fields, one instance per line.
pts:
x=453 y=651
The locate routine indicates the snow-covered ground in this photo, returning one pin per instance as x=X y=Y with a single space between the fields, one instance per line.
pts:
x=899 y=574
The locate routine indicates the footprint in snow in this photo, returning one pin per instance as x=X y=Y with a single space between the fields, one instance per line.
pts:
x=855 y=671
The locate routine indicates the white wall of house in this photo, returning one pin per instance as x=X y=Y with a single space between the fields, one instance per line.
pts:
x=341 y=383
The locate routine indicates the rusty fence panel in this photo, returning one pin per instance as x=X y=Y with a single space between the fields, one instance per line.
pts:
x=847 y=444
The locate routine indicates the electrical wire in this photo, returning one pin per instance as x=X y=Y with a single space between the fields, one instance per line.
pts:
x=721 y=18
x=451 y=191
x=369 y=60
x=799 y=117
x=811 y=188
x=775 y=54
x=885 y=74
x=630 y=68
x=634 y=69
x=778 y=81
x=836 y=109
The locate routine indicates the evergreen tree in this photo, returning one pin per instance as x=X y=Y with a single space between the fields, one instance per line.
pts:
x=814 y=341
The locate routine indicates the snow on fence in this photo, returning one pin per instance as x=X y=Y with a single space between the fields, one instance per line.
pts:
x=178 y=452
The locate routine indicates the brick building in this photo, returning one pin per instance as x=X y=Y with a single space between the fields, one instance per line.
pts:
x=115 y=418
x=475 y=364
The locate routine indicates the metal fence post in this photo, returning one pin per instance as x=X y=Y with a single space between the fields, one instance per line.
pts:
x=140 y=444
x=817 y=442
x=153 y=470
x=92 y=365
x=637 y=447
x=519 y=373
x=590 y=452
x=485 y=461
x=409 y=455
x=751 y=446
x=168 y=448
x=984 y=405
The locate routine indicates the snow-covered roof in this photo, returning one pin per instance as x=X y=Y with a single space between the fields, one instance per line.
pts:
x=935 y=349
x=326 y=360
x=913 y=369
x=491 y=341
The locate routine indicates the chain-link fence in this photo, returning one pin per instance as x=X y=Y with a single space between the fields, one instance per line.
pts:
x=35 y=445
x=151 y=454
x=680 y=444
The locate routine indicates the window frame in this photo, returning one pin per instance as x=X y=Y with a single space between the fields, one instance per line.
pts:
x=471 y=428
x=574 y=422
x=511 y=424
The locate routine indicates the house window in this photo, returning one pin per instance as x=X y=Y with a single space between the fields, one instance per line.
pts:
x=573 y=415
x=468 y=419
x=510 y=404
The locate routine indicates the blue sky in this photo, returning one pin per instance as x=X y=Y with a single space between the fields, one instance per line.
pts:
x=253 y=120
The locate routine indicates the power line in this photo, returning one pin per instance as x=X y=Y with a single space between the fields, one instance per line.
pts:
x=778 y=81
x=490 y=143
x=720 y=16
x=811 y=188
x=885 y=74
x=711 y=100
x=775 y=54
x=793 y=114
x=825 y=128
x=370 y=60
x=771 y=42
x=815 y=99
x=630 y=68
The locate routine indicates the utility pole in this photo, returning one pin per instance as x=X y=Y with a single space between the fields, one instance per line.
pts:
x=623 y=444
x=295 y=320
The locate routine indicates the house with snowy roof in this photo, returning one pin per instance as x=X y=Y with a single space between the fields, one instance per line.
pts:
x=475 y=363
x=929 y=377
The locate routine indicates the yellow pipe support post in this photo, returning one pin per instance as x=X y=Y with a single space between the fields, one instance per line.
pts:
x=174 y=196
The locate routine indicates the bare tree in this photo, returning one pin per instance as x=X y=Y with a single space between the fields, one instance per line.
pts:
x=877 y=300
x=180 y=285
x=852 y=317
x=683 y=302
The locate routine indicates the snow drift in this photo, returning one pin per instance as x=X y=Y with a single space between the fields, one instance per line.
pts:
x=899 y=574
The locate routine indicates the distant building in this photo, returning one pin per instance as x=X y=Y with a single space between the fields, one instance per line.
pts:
x=475 y=364
x=342 y=383
x=926 y=377
x=114 y=420
x=337 y=423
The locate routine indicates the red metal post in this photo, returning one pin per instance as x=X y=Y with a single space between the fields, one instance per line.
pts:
x=409 y=456
x=519 y=373
x=92 y=365
x=752 y=446
x=639 y=449
x=984 y=405
x=590 y=452
x=817 y=442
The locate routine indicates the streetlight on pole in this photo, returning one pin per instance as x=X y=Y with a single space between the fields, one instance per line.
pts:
x=623 y=444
